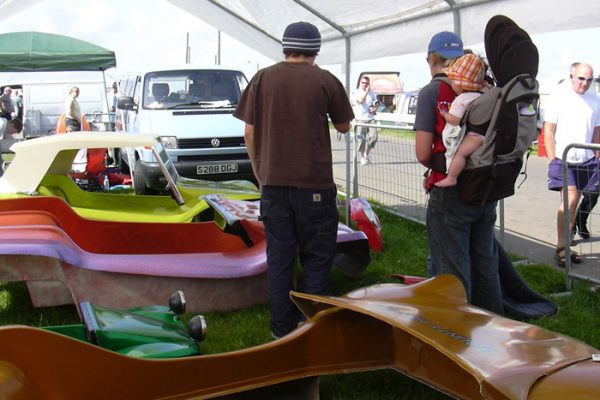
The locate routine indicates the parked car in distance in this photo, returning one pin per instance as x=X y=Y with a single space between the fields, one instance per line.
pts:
x=191 y=110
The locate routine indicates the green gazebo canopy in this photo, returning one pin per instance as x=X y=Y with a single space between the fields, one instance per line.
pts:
x=37 y=51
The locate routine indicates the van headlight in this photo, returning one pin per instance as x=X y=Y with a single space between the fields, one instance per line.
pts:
x=168 y=142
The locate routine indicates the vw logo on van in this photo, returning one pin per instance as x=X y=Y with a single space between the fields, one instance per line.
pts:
x=215 y=142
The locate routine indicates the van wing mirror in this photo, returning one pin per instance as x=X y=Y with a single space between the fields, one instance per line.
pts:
x=126 y=103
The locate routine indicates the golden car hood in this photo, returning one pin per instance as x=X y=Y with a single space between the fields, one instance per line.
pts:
x=498 y=357
x=426 y=331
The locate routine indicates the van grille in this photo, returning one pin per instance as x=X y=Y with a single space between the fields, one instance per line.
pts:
x=205 y=143
x=214 y=157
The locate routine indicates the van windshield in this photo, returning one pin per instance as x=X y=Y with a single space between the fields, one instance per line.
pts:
x=193 y=89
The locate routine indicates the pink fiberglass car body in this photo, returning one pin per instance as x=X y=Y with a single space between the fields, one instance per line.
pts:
x=65 y=258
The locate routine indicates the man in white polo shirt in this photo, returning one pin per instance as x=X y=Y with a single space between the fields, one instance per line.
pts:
x=573 y=116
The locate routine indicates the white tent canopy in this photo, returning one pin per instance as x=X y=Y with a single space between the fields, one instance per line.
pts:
x=359 y=30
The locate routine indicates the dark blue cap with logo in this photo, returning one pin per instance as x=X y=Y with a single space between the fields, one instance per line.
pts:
x=447 y=44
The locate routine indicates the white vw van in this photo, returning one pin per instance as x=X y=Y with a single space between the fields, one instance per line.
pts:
x=191 y=109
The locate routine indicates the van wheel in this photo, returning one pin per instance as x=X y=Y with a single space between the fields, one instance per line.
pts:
x=138 y=180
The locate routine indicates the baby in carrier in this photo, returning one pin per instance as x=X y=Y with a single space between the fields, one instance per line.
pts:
x=467 y=76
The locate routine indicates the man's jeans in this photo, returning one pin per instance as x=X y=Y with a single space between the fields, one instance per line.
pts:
x=297 y=222
x=462 y=243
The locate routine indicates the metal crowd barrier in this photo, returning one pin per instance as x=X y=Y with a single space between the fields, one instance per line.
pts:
x=393 y=179
x=101 y=121
x=566 y=223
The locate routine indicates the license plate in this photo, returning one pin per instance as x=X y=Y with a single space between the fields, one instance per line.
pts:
x=216 y=169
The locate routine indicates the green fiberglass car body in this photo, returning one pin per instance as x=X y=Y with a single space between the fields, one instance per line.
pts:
x=42 y=166
x=143 y=332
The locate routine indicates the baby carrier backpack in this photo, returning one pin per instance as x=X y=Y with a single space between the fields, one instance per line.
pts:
x=505 y=114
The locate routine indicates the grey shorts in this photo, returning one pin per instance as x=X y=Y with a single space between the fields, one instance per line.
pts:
x=367 y=134
x=583 y=176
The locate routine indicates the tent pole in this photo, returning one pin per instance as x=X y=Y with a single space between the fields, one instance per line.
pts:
x=338 y=28
x=347 y=62
x=348 y=155
x=455 y=16
x=105 y=94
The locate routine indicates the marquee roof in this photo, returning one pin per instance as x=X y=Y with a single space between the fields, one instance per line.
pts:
x=361 y=30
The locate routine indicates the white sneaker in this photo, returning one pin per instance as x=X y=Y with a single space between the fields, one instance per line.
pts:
x=364 y=161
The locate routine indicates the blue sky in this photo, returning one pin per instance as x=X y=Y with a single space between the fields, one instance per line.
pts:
x=153 y=32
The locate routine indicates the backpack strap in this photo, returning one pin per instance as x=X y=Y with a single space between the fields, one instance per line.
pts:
x=443 y=79
x=448 y=81
x=438 y=160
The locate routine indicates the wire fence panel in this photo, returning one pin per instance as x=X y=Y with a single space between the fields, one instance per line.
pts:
x=393 y=178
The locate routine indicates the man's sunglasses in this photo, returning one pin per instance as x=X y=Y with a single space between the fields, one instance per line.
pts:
x=583 y=79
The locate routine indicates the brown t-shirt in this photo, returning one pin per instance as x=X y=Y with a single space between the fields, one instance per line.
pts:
x=288 y=104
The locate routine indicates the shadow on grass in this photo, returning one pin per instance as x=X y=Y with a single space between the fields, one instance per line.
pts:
x=16 y=309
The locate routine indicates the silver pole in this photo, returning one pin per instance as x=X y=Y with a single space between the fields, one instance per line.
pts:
x=187 y=48
x=566 y=219
x=105 y=93
x=501 y=207
x=218 y=47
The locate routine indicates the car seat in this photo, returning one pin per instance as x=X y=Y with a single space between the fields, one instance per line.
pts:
x=87 y=161
x=174 y=98
x=61 y=124
x=223 y=91
x=160 y=91
x=198 y=90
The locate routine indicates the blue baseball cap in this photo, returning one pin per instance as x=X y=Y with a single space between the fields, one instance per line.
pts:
x=447 y=44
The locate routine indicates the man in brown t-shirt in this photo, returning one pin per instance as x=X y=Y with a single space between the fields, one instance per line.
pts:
x=285 y=109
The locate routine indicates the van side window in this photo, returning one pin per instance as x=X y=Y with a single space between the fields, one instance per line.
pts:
x=137 y=89
x=242 y=82
x=126 y=85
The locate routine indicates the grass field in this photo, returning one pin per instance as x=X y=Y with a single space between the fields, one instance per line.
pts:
x=405 y=251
